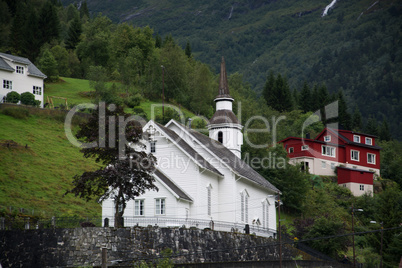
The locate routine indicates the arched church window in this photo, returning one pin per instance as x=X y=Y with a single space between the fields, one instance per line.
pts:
x=220 y=136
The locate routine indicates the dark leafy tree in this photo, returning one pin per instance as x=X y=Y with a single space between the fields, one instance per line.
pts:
x=125 y=173
x=31 y=44
x=48 y=65
x=13 y=97
x=158 y=40
x=74 y=33
x=323 y=99
x=18 y=27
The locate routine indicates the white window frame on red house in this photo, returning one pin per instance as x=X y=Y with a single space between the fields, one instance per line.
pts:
x=353 y=155
x=361 y=187
x=304 y=147
x=369 y=141
x=327 y=138
x=356 y=138
x=328 y=150
x=372 y=157
x=291 y=150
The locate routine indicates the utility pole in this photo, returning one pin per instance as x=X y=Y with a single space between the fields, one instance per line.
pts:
x=382 y=231
x=280 y=243
x=163 y=93
x=353 y=236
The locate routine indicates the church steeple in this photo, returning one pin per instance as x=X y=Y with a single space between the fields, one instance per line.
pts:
x=223 y=82
x=224 y=125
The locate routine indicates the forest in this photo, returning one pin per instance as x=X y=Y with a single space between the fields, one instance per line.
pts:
x=123 y=63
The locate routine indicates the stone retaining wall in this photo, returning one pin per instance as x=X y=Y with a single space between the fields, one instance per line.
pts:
x=82 y=246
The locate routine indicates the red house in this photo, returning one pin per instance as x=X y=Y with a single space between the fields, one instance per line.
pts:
x=333 y=148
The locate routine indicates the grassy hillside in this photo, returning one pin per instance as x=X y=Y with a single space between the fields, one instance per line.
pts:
x=35 y=178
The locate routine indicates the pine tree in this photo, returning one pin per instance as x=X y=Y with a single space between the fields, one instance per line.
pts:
x=158 y=40
x=187 y=51
x=322 y=98
x=84 y=10
x=371 y=127
x=343 y=115
x=315 y=103
x=385 y=135
x=305 y=100
x=31 y=44
x=357 y=124
x=48 y=65
x=18 y=27
x=268 y=91
x=74 y=33
x=49 y=23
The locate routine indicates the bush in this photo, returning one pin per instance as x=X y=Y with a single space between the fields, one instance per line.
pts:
x=16 y=112
x=28 y=98
x=133 y=101
x=13 y=97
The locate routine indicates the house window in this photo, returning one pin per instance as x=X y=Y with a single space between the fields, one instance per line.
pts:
x=7 y=84
x=332 y=165
x=209 y=188
x=153 y=146
x=160 y=208
x=304 y=147
x=20 y=70
x=328 y=150
x=139 y=208
x=361 y=187
x=369 y=141
x=220 y=136
x=371 y=158
x=291 y=150
x=327 y=138
x=356 y=138
x=37 y=90
x=324 y=164
x=354 y=155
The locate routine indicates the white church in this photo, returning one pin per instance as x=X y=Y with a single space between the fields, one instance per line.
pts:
x=202 y=181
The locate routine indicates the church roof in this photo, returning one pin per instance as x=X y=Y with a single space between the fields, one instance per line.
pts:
x=179 y=192
x=186 y=147
x=223 y=82
x=235 y=163
x=223 y=116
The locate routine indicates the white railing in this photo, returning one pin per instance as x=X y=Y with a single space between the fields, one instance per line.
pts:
x=193 y=223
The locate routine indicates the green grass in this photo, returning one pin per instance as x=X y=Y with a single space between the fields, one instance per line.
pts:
x=69 y=88
x=36 y=178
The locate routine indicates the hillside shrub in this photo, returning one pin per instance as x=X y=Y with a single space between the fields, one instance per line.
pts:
x=13 y=97
x=28 y=98
x=16 y=112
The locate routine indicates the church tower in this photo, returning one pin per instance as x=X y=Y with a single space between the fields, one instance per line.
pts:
x=224 y=125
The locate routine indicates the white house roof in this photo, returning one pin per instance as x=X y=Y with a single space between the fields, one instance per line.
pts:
x=32 y=69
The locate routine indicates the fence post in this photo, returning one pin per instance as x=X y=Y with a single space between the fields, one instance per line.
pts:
x=104 y=258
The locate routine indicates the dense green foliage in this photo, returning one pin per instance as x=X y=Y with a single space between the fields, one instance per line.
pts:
x=13 y=97
x=356 y=47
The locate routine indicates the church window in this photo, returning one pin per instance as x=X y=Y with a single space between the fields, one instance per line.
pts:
x=209 y=189
x=153 y=146
x=220 y=136
x=160 y=206
x=244 y=206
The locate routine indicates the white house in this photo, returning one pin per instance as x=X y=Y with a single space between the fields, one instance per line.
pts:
x=20 y=75
x=202 y=180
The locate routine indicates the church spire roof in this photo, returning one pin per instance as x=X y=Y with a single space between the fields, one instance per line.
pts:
x=223 y=82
